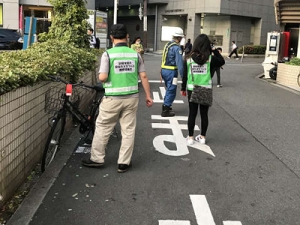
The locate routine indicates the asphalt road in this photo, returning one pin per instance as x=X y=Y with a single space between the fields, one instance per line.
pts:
x=248 y=173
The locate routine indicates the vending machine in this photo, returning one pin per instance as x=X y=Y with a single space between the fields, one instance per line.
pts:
x=277 y=49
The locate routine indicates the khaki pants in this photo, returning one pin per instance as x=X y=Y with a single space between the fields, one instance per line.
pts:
x=111 y=111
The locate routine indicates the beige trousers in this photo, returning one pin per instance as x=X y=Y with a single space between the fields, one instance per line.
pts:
x=111 y=111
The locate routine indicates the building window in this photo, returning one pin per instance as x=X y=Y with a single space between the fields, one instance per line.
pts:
x=1 y=15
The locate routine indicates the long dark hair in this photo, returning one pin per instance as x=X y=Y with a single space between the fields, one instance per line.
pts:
x=201 y=49
x=134 y=40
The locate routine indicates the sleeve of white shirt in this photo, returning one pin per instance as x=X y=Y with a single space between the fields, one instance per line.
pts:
x=104 y=63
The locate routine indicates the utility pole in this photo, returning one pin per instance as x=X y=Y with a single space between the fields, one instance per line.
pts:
x=115 y=11
x=145 y=24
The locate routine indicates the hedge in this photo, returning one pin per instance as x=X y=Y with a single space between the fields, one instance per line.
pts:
x=253 y=49
x=26 y=67
x=294 y=61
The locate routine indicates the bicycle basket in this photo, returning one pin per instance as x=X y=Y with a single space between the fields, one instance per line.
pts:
x=54 y=99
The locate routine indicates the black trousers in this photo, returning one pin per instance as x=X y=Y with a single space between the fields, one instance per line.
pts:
x=218 y=71
x=193 y=111
x=234 y=51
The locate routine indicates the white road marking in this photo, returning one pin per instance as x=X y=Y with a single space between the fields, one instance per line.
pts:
x=202 y=210
x=177 y=137
x=158 y=81
x=174 y=222
x=202 y=213
x=232 y=223
x=157 y=99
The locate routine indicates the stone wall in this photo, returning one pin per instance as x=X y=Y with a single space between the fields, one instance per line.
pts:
x=287 y=75
x=24 y=129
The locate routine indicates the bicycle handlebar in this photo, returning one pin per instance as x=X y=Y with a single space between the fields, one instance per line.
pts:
x=97 y=87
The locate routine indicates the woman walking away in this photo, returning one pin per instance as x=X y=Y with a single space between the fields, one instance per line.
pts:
x=199 y=64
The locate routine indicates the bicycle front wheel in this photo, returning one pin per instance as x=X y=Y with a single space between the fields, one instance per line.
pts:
x=53 y=141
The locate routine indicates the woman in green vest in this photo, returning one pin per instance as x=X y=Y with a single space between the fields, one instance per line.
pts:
x=201 y=62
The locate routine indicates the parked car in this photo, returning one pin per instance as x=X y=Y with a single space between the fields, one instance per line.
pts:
x=10 y=39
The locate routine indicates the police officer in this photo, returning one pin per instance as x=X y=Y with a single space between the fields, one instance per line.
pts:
x=172 y=63
x=119 y=70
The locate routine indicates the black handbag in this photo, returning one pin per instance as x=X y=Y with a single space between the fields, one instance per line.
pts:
x=201 y=95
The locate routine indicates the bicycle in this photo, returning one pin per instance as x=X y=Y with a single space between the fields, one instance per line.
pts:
x=62 y=102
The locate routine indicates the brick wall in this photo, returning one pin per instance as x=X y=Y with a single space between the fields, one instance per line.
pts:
x=24 y=129
x=287 y=75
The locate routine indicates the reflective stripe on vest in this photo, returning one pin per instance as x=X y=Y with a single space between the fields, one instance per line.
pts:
x=124 y=89
x=123 y=73
x=122 y=55
x=164 y=57
x=201 y=74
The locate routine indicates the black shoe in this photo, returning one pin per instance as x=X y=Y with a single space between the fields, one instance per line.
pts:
x=167 y=111
x=122 y=168
x=90 y=163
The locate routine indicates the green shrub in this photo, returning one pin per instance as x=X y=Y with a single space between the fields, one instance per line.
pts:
x=69 y=23
x=294 y=61
x=64 y=51
x=253 y=49
x=52 y=57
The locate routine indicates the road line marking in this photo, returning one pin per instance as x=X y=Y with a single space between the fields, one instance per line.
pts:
x=162 y=82
x=174 y=222
x=232 y=223
x=202 y=210
x=157 y=99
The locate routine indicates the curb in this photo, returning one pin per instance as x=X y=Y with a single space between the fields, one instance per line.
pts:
x=273 y=82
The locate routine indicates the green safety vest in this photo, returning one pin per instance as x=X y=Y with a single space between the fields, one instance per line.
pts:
x=201 y=74
x=164 y=56
x=123 y=73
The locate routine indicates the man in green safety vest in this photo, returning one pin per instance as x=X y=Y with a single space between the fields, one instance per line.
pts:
x=172 y=63
x=119 y=70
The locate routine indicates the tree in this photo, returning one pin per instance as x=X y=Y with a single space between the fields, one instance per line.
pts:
x=69 y=23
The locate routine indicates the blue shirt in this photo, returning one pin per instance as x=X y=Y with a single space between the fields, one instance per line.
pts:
x=174 y=58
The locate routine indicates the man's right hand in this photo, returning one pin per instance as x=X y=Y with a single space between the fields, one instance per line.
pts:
x=149 y=102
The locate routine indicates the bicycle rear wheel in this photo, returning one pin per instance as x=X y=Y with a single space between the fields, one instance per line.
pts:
x=53 y=141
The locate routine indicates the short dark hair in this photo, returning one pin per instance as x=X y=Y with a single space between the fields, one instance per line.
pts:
x=91 y=29
x=220 y=49
x=118 y=31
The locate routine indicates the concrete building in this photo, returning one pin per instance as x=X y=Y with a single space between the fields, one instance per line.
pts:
x=288 y=17
x=12 y=13
x=246 y=22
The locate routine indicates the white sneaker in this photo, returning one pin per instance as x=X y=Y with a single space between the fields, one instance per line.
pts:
x=219 y=85
x=189 y=140
x=228 y=57
x=200 y=139
x=237 y=59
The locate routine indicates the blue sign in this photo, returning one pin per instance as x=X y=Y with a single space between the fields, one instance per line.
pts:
x=29 y=32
